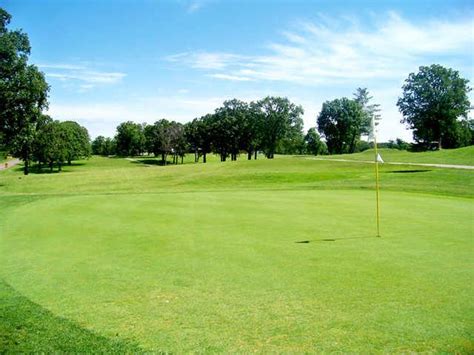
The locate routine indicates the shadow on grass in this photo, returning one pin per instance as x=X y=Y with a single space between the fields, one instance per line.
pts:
x=150 y=162
x=26 y=327
x=409 y=171
x=330 y=239
x=35 y=169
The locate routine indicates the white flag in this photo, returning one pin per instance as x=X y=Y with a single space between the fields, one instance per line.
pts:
x=379 y=158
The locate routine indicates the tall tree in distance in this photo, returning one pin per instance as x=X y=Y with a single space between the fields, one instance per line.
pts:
x=340 y=122
x=23 y=92
x=77 y=141
x=432 y=102
x=278 y=118
x=130 y=139
x=51 y=144
x=314 y=144
x=371 y=111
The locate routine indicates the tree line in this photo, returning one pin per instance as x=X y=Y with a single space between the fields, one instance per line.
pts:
x=271 y=125
x=434 y=104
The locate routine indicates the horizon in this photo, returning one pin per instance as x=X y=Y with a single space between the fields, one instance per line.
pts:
x=181 y=59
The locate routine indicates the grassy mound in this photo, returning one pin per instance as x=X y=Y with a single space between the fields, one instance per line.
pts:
x=460 y=156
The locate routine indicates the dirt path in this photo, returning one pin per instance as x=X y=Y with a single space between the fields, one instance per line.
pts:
x=9 y=164
x=446 y=166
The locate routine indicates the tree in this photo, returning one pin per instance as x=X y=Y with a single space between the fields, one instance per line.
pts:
x=98 y=145
x=233 y=122
x=370 y=111
x=159 y=139
x=278 y=118
x=204 y=134
x=340 y=122
x=432 y=102
x=77 y=141
x=23 y=92
x=130 y=139
x=314 y=144
x=51 y=144
x=178 y=142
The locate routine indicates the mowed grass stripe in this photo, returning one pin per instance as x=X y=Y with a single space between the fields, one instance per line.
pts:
x=222 y=272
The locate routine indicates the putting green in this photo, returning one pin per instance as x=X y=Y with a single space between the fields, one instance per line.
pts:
x=221 y=271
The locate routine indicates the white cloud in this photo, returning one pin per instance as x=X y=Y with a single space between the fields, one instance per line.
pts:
x=230 y=77
x=101 y=119
x=83 y=77
x=340 y=51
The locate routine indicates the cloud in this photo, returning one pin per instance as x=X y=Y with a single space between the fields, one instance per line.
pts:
x=84 y=77
x=102 y=118
x=230 y=77
x=340 y=51
x=195 y=5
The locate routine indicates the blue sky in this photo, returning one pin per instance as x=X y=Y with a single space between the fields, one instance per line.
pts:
x=111 y=61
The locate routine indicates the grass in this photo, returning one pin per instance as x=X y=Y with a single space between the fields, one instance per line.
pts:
x=206 y=258
x=460 y=156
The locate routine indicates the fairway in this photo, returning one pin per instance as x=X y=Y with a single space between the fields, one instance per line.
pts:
x=222 y=269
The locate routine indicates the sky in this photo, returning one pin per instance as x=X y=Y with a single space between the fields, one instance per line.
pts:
x=113 y=61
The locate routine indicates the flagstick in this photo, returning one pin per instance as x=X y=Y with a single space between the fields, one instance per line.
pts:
x=377 y=184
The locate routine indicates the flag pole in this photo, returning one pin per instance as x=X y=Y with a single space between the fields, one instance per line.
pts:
x=377 y=180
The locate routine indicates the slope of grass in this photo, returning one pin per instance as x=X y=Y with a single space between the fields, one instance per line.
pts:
x=26 y=327
x=460 y=156
x=206 y=258
x=104 y=175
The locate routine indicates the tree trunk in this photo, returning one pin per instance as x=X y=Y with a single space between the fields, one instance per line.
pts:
x=249 y=155
x=27 y=167
x=255 y=155
x=69 y=162
x=60 y=167
x=439 y=143
x=163 y=158
x=50 y=166
x=204 y=158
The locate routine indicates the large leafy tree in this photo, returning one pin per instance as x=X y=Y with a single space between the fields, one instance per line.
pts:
x=130 y=139
x=51 y=144
x=77 y=141
x=204 y=134
x=314 y=144
x=340 y=122
x=432 y=102
x=23 y=92
x=233 y=125
x=159 y=138
x=278 y=117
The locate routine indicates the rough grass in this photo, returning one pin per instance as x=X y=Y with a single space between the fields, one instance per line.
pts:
x=205 y=258
x=460 y=156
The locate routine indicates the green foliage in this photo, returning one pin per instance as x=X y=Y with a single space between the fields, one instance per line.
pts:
x=130 y=139
x=164 y=138
x=279 y=119
x=23 y=92
x=432 y=102
x=314 y=144
x=198 y=134
x=77 y=141
x=51 y=144
x=398 y=143
x=340 y=122
x=103 y=146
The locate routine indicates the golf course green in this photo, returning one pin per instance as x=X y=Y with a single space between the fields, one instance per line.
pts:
x=250 y=256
